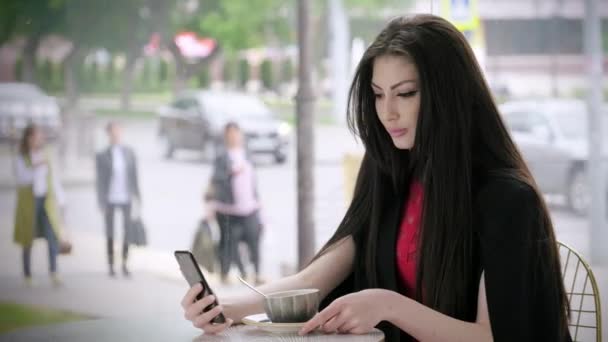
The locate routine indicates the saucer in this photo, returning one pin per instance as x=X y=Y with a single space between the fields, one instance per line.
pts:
x=262 y=322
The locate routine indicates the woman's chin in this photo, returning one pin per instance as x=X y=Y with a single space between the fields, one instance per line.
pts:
x=402 y=145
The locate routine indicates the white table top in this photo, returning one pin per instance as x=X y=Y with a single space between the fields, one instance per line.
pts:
x=160 y=329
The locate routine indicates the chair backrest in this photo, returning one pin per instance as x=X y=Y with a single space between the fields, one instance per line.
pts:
x=583 y=296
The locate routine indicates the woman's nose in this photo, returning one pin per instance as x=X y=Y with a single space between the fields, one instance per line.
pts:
x=389 y=112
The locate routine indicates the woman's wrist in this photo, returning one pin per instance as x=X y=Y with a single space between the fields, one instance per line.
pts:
x=395 y=303
x=238 y=308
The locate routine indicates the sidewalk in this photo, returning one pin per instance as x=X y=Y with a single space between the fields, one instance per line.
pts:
x=155 y=287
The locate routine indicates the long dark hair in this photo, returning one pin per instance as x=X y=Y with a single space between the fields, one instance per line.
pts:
x=24 y=143
x=460 y=136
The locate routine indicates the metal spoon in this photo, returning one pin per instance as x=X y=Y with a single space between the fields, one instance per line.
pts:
x=251 y=286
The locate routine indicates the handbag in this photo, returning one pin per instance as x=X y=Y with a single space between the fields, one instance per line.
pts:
x=136 y=234
x=65 y=247
x=203 y=247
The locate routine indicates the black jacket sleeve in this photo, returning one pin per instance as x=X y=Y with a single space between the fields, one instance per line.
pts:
x=522 y=278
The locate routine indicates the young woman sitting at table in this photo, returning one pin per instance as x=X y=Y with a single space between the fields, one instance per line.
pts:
x=447 y=237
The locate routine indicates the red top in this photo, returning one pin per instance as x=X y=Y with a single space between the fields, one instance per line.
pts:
x=407 y=242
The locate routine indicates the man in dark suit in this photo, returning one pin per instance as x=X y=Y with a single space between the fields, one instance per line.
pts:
x=117 y=189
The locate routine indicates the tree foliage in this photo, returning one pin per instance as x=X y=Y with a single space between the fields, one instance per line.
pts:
x=244 y=24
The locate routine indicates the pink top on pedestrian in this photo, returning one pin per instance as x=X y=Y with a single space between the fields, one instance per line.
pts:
x=243 y=187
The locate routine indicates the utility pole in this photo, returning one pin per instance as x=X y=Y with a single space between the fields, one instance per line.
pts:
x=339 y=55
x=305 y=139
x=597 y=215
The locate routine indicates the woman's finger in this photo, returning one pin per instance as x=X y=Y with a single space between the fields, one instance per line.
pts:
x=320 y=318
x=197 y=308
x=205 y=318
x=334 y=323
x=217 y=328
x=190 y=296
x=348 y=326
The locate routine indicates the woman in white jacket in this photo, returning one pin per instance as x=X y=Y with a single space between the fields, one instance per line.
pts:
x=39 y=197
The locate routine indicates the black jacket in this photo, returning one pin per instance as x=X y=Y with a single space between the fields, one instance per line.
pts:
x=103 y=168
x=221 y=179
x=508 y=247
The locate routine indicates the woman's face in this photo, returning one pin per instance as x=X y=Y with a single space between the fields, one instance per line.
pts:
x=396 y=87
x=234 y=138
x=36 y=139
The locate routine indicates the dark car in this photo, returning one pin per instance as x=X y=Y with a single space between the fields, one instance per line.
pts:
x=552 y=135
x=24 y=103
x=195 y=120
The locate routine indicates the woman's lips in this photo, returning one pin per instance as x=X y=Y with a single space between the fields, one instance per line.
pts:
x=398 y=132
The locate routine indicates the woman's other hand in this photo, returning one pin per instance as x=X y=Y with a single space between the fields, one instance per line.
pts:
x=356 y=313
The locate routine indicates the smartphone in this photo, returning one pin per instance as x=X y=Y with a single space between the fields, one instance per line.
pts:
x=192 y=273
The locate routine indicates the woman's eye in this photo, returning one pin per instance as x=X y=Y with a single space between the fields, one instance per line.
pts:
x=408 y=94
x=378 y=96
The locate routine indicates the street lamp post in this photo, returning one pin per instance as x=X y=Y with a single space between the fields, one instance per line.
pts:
x=305 y=139
x=597 y=219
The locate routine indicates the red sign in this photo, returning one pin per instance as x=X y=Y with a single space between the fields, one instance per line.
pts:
x=189 y=45
x=192 y=46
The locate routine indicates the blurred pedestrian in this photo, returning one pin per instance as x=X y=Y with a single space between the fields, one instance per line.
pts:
x=117 y=190
x=206 y=238
x=40 y=201
x=236 y=203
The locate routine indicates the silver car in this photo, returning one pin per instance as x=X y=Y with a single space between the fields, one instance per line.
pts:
x=195 y=120
x=552 y=136
x=24 y=103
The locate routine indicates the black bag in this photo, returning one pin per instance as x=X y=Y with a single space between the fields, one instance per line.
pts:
x=203 y=247
x=136 y=234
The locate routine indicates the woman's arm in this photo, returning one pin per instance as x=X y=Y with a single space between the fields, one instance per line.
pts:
x=426 y=324
x=23 y=173
x=325 y=273
x=360 y=312
x=57 y=184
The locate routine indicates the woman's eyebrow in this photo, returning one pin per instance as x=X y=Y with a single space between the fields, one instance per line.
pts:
x=394 y=85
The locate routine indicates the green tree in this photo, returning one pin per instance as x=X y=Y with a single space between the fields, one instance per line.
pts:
x=267 y=74
x=145 y=76
x=204 y=78
x=163 y=72
x=82 y=75
x=19 y=69
x=110 y=73
x=93 y=79
x=244 y=24
x=244 y=72
x=229 y=68
x=30 y=19
x=287 y=70
x=57 y=78
x=46 y=73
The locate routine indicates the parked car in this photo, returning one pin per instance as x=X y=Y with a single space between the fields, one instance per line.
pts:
x=24 y=103
x=195 y=120
x=552 y=135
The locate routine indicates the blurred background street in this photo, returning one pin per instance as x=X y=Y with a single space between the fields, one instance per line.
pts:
x=171 y=210
x=158 y=68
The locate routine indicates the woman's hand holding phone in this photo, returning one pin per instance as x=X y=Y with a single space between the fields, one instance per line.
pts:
x=193 y=311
